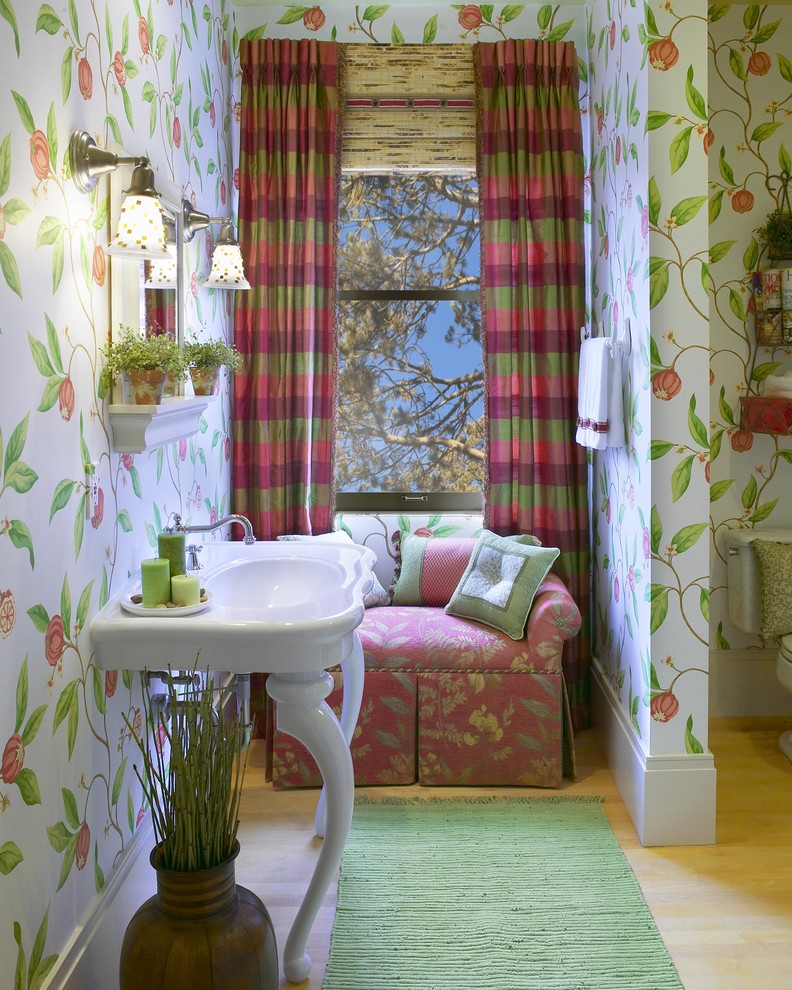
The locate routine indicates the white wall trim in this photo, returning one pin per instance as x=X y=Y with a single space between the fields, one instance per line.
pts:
x=744 y=683
x=670 y=798
x=83 y=963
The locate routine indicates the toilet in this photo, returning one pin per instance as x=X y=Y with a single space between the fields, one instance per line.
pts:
x=742 y=572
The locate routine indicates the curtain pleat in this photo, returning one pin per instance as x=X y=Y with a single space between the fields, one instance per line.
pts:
x=530 y=161
x=284 y=394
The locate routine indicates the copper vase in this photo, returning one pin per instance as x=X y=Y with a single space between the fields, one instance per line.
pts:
x=204 y=380
x=200 y=931
x=144 y=387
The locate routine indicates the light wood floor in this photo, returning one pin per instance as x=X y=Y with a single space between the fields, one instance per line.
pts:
x=724 y=911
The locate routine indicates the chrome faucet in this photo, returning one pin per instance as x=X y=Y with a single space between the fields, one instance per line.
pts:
x=243 y=521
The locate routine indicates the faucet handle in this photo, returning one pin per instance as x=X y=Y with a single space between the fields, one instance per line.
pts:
x=193 y=564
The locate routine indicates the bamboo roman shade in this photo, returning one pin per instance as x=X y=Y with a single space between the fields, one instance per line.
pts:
x=409 y=106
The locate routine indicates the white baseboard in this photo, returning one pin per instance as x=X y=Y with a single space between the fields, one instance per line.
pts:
x=744 y=682
x=671 y=799
x=90 y=959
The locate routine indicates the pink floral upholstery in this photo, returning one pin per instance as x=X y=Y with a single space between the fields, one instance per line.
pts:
x=451 y=701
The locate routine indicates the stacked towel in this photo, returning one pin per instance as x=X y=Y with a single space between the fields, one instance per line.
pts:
x=600 y=421
x=780 y=385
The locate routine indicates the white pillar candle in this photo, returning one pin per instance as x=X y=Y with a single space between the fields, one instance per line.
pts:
x=185 y=590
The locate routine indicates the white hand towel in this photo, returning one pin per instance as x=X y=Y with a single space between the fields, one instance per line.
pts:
x=615 y=398
x=592 y=423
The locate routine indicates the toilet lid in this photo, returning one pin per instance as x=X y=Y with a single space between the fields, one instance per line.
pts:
x=786 y=645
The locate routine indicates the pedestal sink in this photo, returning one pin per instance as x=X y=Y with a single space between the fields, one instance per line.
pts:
x=287 y=609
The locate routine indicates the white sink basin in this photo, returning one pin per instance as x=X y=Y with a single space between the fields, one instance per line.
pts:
x=275 y=607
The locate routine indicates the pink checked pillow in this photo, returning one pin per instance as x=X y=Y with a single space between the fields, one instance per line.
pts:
x=431 y=568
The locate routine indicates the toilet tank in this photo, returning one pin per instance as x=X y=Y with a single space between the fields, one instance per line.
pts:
x=742 y=573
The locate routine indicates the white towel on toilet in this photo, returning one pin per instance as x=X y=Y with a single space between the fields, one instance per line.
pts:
x=600 y=422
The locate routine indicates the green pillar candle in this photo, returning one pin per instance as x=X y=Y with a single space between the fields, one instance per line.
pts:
x=171 y=546
x=185 y=590
x=155 y=582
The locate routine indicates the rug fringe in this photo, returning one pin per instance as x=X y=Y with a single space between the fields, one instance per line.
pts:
x=368 y=799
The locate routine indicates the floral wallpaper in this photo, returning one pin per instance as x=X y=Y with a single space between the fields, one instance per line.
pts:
x=154 y=77
x=687 y=111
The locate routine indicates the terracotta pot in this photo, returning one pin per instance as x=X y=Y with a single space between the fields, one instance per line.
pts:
x=144 y=388
x=204 y=380
x=200 y=931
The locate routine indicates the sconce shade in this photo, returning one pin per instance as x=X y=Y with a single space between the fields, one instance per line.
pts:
x=140 y=232
x=228 y=270
x=162 y=275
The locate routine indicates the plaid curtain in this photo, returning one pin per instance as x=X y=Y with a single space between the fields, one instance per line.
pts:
x=284 y=327
x=533 y=277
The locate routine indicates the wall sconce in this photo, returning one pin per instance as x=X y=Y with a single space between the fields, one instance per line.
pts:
x=140 y=232
x=162 y=273
x=228 y=269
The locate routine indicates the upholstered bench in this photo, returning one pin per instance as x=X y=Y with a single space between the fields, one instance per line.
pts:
x=449 y=699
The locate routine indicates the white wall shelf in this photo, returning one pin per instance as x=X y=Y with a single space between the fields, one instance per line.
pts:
x=139 y=428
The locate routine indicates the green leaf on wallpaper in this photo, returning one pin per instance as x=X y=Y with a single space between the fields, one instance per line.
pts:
x=125 y=36
x=720 y=640
x=33 y=725
x=725 y=169
x=751 y=255
x=75 y=24
x=715 y=203
x=655 y=119
x=430 y=30
x=375 y=11
x=785 y=67
x=134 y=477
x=725 y=409
x=58 y=261
x=687 y=208
x=766 y=32
x=85 y=262
x=84 y=604
x=68 y=707
x=719 y=251
x=544 y=16
x=118 y=782
x=50 y=230
x=109 y=31
x=16 y=443
x=152 y=119
x=692 y=745
x=126 y=677
x=40 y=356
x=39 y=616
x=294 y=14
x=5 y=164
x=188 y=41
x=63 y=493
x=124 y=521
x=784 y=159
x=695 y=100
x=736 y=304
x=697 y=428
x=115 y=130
x=655 y=530
x=512 y=11
x=10 y=270
x=99 y=877
x=763 y=511
x=749 y=493
x=127 y=106
x=715 y=444
x=657 y=596
x=28 y=785
x=560 y=31
x=47 y=20
x=59 y=835
x=21 y=695
x=487 y=10
x=68 y=860
x=15 y=211
x=655 y=202
x=659 y=448
x=737 y=64
x=104 y=590
x=130 y=812
x=20 y=477
x=397 y=38
x=148 y=94
x=658 y=281
x=765 y=131
x=719 y=488
x=70 y=807
x=680 y=479
x=679 y=148
x=751 y=16
x=66 y=74
x=762 y=371
x=130 y=68
x=651 y=23
x=688 y=536
x=79 y=523
x=10 y=857
x=65 y=604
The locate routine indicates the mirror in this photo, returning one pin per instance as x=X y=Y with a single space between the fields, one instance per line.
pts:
x=133 y=303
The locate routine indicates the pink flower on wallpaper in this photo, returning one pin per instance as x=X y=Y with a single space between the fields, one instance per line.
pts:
x=99 y=266
x=111 y=682
x=663 y=54
x=224 y=52
x=666 y=384
x=645 y=222
x=227 y=448
x=127 y=460
x=599 y=120
x=313 y=19
x=212 y=516
x=630 y=279
x=85 y=78
x=160 y=736
x=212 y=114
x=140 y=816
x=607 y=508
x=631 y=577
x=13 y=759
x=616 y=589
x=742 y=201
x=98 y=512
x=612 y=35
x=647 y=544
x=177 y=132
x=143 y=35
x=54 y=640
x=137 y=723
x=7 y=613
x=709 y=137
x=236 y=179
x=119 y=69
x=741 y=440
x=470 y=17
x=66 y=398
x=182 y=449
x=39 y=154
x=222 y=191
x=759 y=64
x=83 y=847
x=194 y=285
x=617 y=150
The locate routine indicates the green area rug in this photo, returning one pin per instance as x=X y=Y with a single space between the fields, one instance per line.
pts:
x=491 y=894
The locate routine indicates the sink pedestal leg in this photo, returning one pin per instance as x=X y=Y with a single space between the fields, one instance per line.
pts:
x=303 y=713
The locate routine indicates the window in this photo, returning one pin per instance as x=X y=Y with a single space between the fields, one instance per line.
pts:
x=410 y=407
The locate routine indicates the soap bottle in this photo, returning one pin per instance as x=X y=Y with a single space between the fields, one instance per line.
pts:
x=171 y=545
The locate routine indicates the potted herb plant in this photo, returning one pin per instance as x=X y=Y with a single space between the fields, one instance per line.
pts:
x=776 y=234
x=200 y=930
x=205 y=359
x=143 y=361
